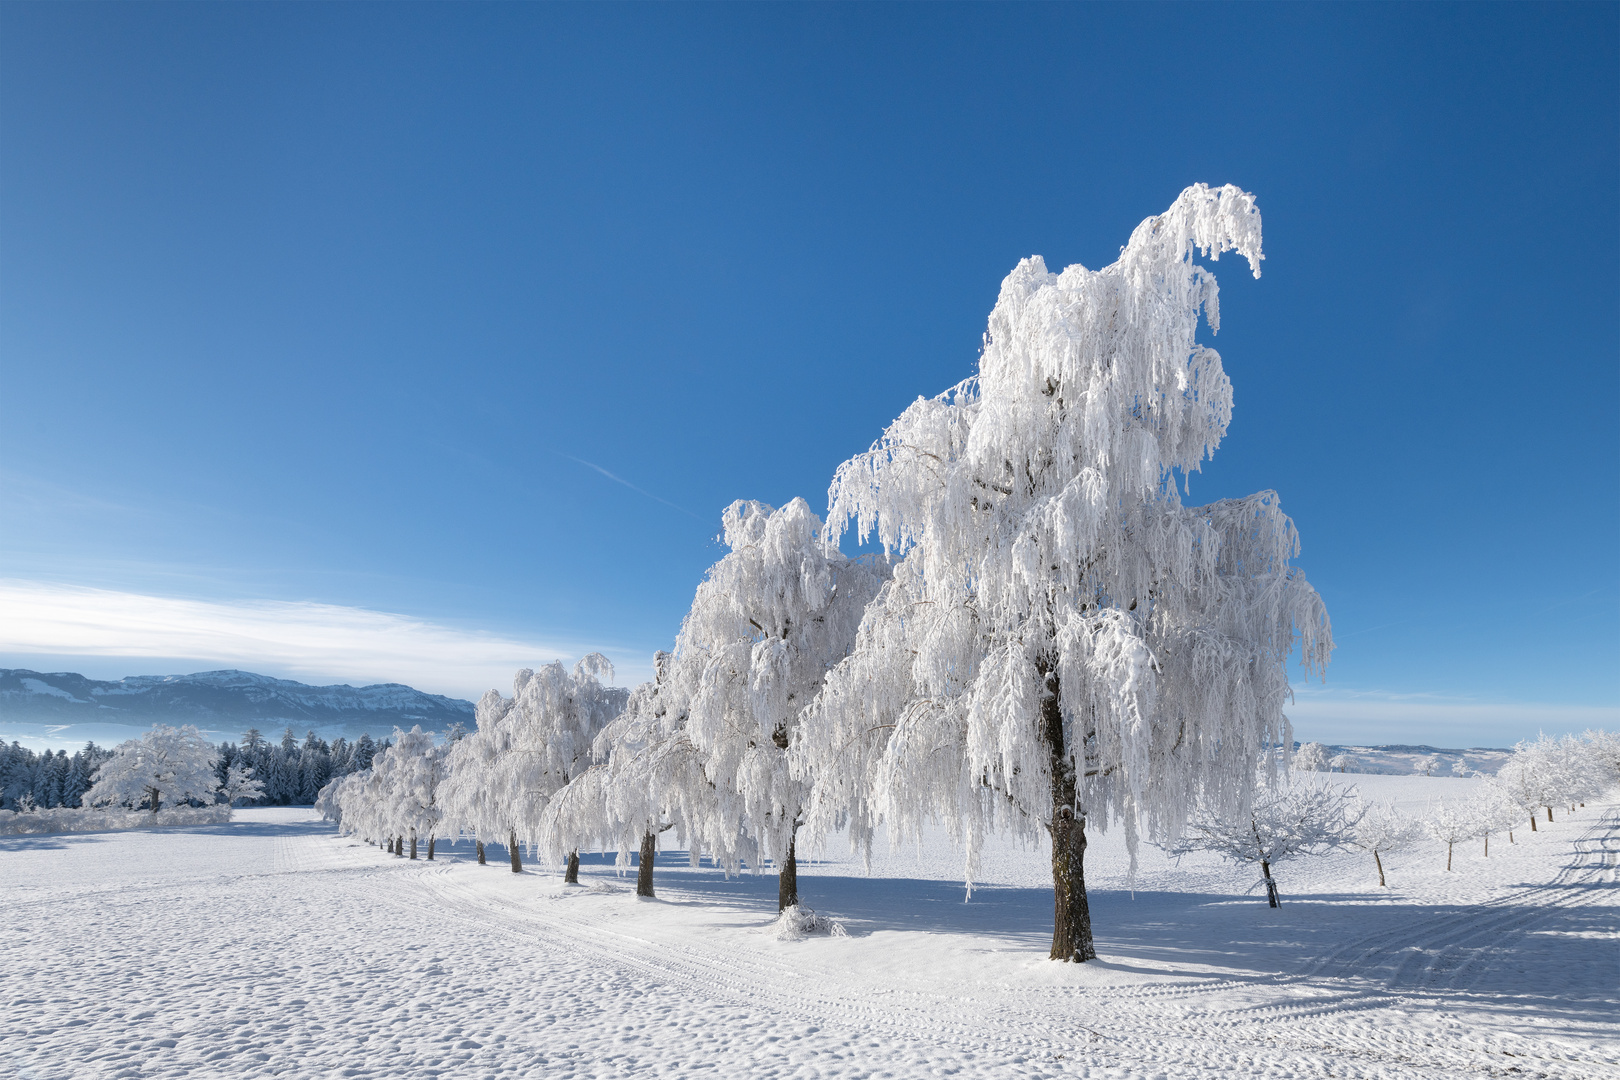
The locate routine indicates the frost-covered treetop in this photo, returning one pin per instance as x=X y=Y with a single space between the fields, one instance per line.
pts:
x=1044 y=550
x=1091 y=387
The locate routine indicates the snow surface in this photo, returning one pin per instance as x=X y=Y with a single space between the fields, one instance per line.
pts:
x=270 y=946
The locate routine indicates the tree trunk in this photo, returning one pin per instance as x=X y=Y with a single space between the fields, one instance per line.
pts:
x=431 y=840
x=644 y=871
x=571 y=877
x=480 y=845
x=1071 y=916
x=1510 y=836
x=156 y=796
x=413 y=843
x=1271 y=885
x=1487 y=845
x=511 y=848
x=1380 y=863
x=787 y=879
x=1448 y=856
x=1549 y=815
x=1533 y=821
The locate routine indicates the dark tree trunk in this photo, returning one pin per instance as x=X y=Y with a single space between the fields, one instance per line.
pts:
x=413 y=843
x=431 y=841
x=1380 y=863
x=156 y=797
x=1071 y=915
x=1533 y=822
x=1549 y=815
x=1271 y=885
x=480 y=845
x=511 y=848
x=571 y=876
x=644 y=871
x=787 y=879
x=1487 y=845
x=1448 y=855
x=1510 y=836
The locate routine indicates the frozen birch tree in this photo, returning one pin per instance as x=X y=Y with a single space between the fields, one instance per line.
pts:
x=1282 y=821
x=705 y=747
x=527 y=748
x=1064 y=643
x=649 y=779
x=468 y=805
x=166 y=765
x=1381 y=830
x=768 y=622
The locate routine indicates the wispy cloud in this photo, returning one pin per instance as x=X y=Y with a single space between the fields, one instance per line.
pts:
x=308 y=641
x=639 y=491
x=1372 y=716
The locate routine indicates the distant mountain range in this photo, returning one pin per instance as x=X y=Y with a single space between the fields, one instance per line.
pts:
x=222 y=701
x=63 y=709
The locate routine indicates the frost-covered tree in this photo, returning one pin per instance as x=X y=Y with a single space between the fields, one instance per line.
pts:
x=704 y=748
x=768 y=622
x=1381 y=830
x=1063 y=642
x=239 y=784
x=1492 y=812
x=1451 y=824
x=1283 y=821
x=648 y=779
x=1310 y=757
x=166 y=765
x=527 y=748
x=1341 y=763
x=468 y=804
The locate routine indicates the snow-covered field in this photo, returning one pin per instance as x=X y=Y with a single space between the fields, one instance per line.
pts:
x=272 y=947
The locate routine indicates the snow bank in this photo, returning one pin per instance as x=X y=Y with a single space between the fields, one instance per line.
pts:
x=64 y=819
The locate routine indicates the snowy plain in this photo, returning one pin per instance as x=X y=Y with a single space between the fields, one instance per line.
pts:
x=273 y=947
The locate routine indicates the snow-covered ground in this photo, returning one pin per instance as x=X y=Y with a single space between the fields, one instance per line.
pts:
x=271 y=946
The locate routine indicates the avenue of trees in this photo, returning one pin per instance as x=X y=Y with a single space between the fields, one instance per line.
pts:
x=1049 y=642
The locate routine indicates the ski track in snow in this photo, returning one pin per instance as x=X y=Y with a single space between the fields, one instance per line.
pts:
x=272 y=947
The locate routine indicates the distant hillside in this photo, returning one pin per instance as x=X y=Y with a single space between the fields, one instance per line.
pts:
x=228 y=701
x=1406 y=760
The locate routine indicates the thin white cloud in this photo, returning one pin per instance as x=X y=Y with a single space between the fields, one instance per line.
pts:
x=1350 y=716
x=307 y=641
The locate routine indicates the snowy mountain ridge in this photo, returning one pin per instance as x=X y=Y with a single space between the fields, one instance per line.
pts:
x=218 y=698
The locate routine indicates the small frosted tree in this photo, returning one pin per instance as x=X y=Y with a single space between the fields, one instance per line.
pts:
x=1451 y=824
x=1341 y=763
x=1064 y=643
x=166 y=765
x=1491 y=813
x=1311 y=757
x=1283 y=822
x=1382 y=830
x=240 y=783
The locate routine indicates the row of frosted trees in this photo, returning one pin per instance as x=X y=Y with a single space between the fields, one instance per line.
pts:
x=1049 y=642
x=1305 y=816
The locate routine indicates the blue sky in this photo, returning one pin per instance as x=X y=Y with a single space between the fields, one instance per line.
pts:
x=473 y=318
